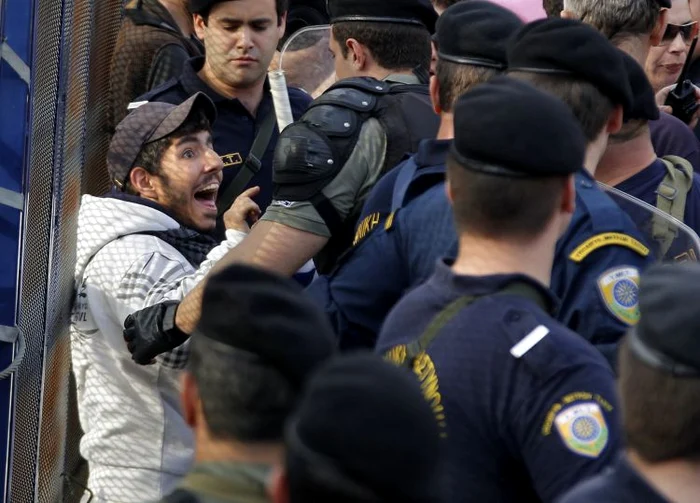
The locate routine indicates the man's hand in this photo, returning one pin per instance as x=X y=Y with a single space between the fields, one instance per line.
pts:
x=152 y=331
x=661 y=100
x=242 y=210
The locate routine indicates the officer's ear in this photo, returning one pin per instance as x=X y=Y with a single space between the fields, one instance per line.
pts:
x=189 y=398
x=358 y=54
x=568 y=200
x=658 y=31
x=567 y=14
x=615 y=120
x=448 y=190
x=200 y=26
x=435 y=94
x=142 y=182
x=278 y=489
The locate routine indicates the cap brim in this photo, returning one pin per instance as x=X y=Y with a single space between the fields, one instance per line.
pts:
x=179 y=115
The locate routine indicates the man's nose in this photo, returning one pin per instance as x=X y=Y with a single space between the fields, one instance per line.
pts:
x=245 y=38
x=213 y=161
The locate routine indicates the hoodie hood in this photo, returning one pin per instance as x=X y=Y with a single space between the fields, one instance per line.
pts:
x=101 y=220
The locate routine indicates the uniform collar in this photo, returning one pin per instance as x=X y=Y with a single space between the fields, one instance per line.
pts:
x=487 y=285
x=402 y=78
x=228 y=480
x=432 y=152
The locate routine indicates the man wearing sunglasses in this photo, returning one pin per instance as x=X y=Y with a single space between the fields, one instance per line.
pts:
x=665 y=61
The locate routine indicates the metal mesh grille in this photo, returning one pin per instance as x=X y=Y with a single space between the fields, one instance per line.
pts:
x=35 y=261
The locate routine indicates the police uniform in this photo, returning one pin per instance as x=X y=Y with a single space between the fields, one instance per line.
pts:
x=526 y=408
x=668 y=183
x=327 y=162
x=599 y=250
x=235 y=128
x=665 y=342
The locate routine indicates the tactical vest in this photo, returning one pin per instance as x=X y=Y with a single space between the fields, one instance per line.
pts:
x=671 y=196
x=331 y=127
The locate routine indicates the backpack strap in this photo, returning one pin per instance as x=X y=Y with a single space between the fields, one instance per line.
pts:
x=519 y=288
x=671 y=196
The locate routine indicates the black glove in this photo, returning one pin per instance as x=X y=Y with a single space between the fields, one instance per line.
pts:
x=152 y=331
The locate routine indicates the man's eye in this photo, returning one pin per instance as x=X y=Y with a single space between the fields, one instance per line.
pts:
x=188 y=154
x=260 y=26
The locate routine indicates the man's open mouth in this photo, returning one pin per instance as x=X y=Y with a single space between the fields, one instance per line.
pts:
x=206 y=196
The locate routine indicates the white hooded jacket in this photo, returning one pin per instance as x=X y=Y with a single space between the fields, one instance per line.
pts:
x=136 y=441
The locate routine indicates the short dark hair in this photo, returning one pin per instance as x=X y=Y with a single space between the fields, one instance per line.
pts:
x=243 y=398
x=456 y=79
x=393 y=46
x=281 y=6
x=151 y=155
x=660 y=412
x=553 y=8
x=590 y=106
x=499 y=207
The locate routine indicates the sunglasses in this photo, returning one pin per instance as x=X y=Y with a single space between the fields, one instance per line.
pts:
x=688 y=32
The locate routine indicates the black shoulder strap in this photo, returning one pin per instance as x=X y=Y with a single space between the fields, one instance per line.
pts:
x=251 y=165
x=180 y=496
x=519 y=288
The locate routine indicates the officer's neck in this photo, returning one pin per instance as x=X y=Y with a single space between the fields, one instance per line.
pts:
x=250 y=97
x=481 y=256
x=209 y=450
x=594 y=151
x=446 y=131
x=678 y=481
x=636 y=47
x=625 y=159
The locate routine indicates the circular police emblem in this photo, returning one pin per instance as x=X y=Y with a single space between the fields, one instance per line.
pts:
x=585 y=429
x=625 y=293
x=619 y=290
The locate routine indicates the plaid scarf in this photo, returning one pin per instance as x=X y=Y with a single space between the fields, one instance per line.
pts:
x=193 y=245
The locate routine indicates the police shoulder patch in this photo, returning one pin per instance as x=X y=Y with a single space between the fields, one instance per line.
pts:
x=607 y=239
x=583 y=429
x=619 y=289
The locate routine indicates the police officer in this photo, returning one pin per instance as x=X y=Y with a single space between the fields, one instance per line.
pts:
x=326 y=163
x=358 y=129
x=250 y=358
x=659 y=388
x=668 y=183
x=240 y=37
x=362 y=434
x=471 y=39
x=527 y=408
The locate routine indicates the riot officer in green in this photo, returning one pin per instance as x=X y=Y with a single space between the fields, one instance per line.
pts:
x=255 y=345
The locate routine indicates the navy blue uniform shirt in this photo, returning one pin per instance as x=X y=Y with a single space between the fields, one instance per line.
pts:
x=597 y=263
x=235 y=128
x=520 y=424
x=643 y=186
x=671 y=136
x=618 y=484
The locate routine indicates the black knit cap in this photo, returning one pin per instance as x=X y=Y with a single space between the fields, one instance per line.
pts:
x=364 y=423
x=267 y=315
x=664 y=4
x=569 y=47
x=643 y=99
x=509 y=128
x=667 y=336
x=476 y=33
x=415 y=12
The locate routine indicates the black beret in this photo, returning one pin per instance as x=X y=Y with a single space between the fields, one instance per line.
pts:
x=664 y=4
x=476 y=33
x=643 y=99
x=367 y=421
x=267 y=315
x=667 y=335
x=417 y=12
x=570 y=47
x=507 y=127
